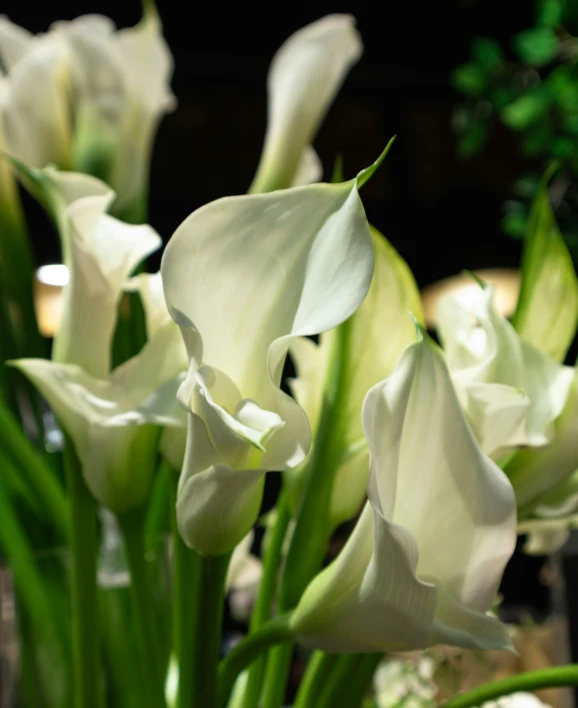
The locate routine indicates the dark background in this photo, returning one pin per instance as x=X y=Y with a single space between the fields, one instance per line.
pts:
x=441 y=213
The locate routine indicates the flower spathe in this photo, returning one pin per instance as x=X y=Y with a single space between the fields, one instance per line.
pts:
x=305 y=75
x=424 y=561
x=243 y=276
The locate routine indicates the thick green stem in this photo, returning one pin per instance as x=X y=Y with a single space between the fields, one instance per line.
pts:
x=84 y=548
x=185 y=572
x=313 y=525
x=273 y=632
x=208 y=603
x=349 y=681
x=262 y=610
x=319 y=669
x=132 y=526
x=529 y=681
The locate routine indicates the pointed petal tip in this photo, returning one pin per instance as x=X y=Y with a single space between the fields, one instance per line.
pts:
x=366 y=174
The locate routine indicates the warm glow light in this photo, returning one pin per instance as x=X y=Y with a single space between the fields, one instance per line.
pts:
x=48 y=285
x=55 y=274
x=506 y=280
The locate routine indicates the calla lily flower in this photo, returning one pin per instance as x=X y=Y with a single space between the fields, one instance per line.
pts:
x=112 y=418
x=528 y=389
x=113 y=422
x=377 y=334
x=547 y=312
x=304 y=78
x=100 y=252
x=116 y=83
x=243 y=276
x=425 y=559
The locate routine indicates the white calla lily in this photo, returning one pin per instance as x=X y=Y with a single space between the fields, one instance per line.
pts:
x=377 y=333
x=244 y=276
x=535 y=472
x=100 y=252
x=425 y=558
x=547 y=312
x=88 y=97
x=304 y=78
x=483 y=348
x=112 y=422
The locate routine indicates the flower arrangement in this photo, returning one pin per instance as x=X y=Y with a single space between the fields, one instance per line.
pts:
x=162 y=406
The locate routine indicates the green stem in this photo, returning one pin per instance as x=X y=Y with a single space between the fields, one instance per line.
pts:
x=273 y=632
x=132 y=526
x=319 y=669
x=313 y=525
x=41 y=481
x=185 y=572
x=529 y=681
x=349 y=682
x=207 y=618
x=83 y=551
x=262 y=610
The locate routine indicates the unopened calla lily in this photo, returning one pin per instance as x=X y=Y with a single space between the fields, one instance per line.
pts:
x=304 y=77
x=244 y=276
x=425 y=558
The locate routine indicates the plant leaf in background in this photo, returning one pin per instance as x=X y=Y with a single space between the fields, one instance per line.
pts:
x=536 y=46
x=243 y=276
x=547 y=312
x=377 y=333
x=305 y=75
x=391 y=588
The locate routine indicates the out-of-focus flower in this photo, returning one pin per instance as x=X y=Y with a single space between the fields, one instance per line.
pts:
x=85 y=96
x=304 y=77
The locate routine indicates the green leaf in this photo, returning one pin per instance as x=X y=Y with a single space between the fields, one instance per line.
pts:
x=514 y=224
x=472 y=139
x=469 y=79
x=550 y=12
x=487 y=52
x=536 y=46
x=547 y=310
x=538 y=139
x=525 y=110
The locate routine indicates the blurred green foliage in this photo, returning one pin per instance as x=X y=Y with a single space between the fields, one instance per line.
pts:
x=531 y=87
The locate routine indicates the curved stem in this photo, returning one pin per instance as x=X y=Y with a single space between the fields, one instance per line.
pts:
x=267 y=588
x=132 y=527
x=83 y=551
x=207 y=618
x=529 y=681
x=274 y=632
